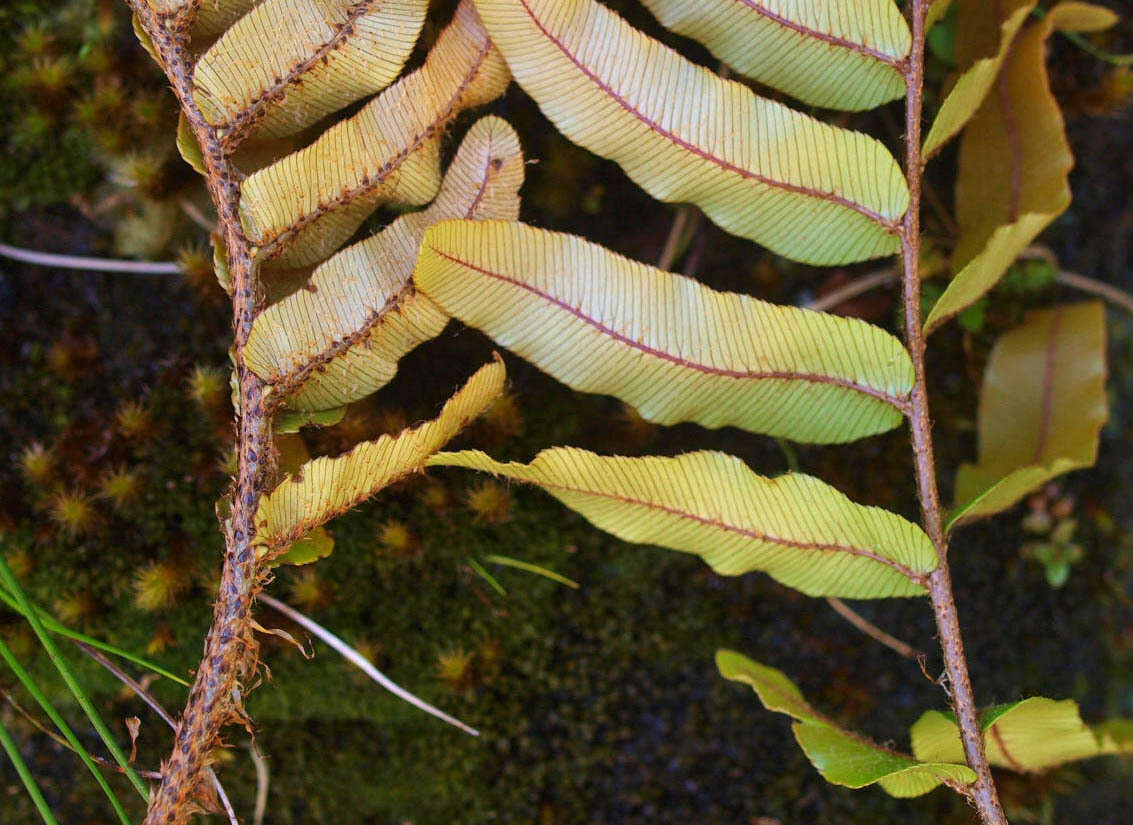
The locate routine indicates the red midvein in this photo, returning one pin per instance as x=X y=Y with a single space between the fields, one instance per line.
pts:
x=1011 y=128
x=917 y=578
x=1006 y=753
x=783 y=375
x=888 y=225
x=833 y=40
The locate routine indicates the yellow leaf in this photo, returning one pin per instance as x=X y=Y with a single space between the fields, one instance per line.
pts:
x=796 y=529
x=291 y=452
x=341 y=338
x=1081 y=18
x=287 y=63
x=1014 y=162
x=984 y=31
x=669 y=346
x=801 y=187
x=841 y=54
x=315 y=545
x=187 y=145
x=327 y=487
x=143 y=38
x=291 y=421
x=936 y=10
x=1028 y=736
x=773 y=687
x=1042 y=406
x=303 y=207
x=845 y=759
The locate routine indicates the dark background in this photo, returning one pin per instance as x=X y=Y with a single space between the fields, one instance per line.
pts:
x=597 y=705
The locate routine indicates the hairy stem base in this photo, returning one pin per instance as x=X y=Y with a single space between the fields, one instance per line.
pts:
x=230 y=648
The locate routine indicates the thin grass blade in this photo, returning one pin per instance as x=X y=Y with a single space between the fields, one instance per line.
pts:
x=25 y=776
x=73 y=685
x=479 y=570
x=362 y=663
x=33 y=689
x=507 y=561
x=52 y=624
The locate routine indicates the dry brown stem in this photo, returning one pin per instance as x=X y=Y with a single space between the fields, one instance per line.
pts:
x=873 y=631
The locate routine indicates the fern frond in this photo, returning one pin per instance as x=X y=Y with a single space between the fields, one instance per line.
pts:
x=842 y=756
x=1027 y=736
x=327 y=487
x=796 y=529
x=801 y=187
x=1015 y=162
x=288 y=63
x=341 y=339
x=673 y=348
x=302 y=208
x=1042 y=407
x=987 y=31
x=214 y=16
x=841 y=54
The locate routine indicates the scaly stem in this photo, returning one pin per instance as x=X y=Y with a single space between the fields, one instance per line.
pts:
x=230 y=647
x=982 y=792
